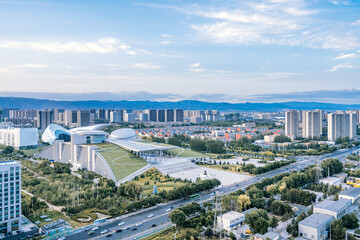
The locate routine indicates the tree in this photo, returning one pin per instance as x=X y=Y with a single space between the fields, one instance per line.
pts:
x=178 y=217
x=260 y=226
x=209 y=232
x=232 y=236
x=273 y=222
x=350 y=221
x=258 y=221
x=282 y=139
x=337 y=230
x=243 y=202
x=230 y=203
x=8 y=150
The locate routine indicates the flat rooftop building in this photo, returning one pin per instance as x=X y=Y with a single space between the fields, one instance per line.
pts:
x=315 y=226
x=337 y=209
x=333 y=181
x=351 y=193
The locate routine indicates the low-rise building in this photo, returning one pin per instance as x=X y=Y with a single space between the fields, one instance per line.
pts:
x=351 y=193
x=230 y=220
x=342 y=176
x=315 y=227
x=269 y=138
x=19 y=138
x=333 y=181
x=337 y=209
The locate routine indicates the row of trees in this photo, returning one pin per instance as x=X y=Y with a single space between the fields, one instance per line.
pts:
x=207 y=146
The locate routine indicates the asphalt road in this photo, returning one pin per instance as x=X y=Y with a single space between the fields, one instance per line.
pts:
x=160 y=215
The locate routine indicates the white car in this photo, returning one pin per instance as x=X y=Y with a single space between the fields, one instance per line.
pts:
x=168 y=210
x=104 y=231
x=122 y=223
x=139 y=224
x=151 y=215
x=95 y=228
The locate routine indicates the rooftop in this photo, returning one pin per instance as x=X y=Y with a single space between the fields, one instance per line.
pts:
x=316 y=220
x=330 y=179
x=351 y=192
x=333 y=205
x=232 y=214
x=270 y=235
x=137 y=146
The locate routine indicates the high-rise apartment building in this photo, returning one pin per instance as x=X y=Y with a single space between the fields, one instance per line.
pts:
x=160 y=115
x=179 y=115
x=44 y=118
x=57 y=113
x=312 y=123
x=19 y=138
x=83 y=118
x=152 y=115
x=10 y=196
x=116 y=116
x=101 y=113
x=169 y=115
x=341 y=124
x=70 y=118
x=292 y=123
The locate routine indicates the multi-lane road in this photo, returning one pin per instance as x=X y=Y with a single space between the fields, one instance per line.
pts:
x=159 y=214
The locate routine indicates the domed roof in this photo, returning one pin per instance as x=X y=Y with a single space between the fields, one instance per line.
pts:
x=52 y=132
x=123 y=134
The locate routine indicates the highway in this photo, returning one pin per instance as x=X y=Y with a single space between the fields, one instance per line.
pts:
x=160 y=215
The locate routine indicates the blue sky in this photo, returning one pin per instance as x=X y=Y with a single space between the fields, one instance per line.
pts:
x=236 y=51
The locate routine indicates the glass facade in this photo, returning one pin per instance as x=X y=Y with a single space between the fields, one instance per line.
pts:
x=10 y=196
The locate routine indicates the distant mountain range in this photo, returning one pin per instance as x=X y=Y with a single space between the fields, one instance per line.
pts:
x=32 y=103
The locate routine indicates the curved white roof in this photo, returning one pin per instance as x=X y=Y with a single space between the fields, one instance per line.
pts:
x=93 y=127
x=52 y=132
x=123 y=134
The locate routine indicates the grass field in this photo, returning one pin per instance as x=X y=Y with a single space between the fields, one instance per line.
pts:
x=184 y=152
x=122 y=162
x=54 y=215
x=153 y=176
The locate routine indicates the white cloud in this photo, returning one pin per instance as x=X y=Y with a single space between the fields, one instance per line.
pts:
x=33 y=65
x=165 y=42
x=147 y=66
x=345 y=56
x=165 y=35
x=271 y=22
x=103 y=45
x=356 y=23
x=171 y=55
x=340 y=2
x=195 y=67
x=343 y=66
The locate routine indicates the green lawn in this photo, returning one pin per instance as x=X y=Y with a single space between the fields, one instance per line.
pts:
x=185 y=153
x=54 y=215
x=122 y=162
x=154 y=177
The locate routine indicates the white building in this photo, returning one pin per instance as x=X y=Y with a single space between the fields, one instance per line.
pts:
x=351 y=193
x=269 y=138
x=312 y=123
x=315 y=227
x=19 y=138
x=341 y=125
x=129 y=117
x=292 y=123
x=337 y=209
x=230 y=220
x=10 y=195
x=116 y=116
x=334 y=181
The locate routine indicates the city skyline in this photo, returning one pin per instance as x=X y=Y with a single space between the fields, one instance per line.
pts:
x=268 y=51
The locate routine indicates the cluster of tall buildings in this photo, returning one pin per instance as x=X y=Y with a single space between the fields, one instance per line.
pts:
x=198 y=116
x=339 y=124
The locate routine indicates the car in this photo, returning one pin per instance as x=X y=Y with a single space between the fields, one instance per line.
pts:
x=29 y=236
x=181 y=205
x=62 y=238
x=104 y=231
x=134 y=229
x=95 y=228
x=151 y=215
x=91 y=232
x=127 y=228
x=237 y=185
x=122 y=223
x=109 y=235
x=171 y=207
x=154 y=225
x=139 y=224
x=37 y=234
x=232 y=188
x=168 y=210
x=118 y=230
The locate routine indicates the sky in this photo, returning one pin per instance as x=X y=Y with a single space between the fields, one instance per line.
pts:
x=221 y=50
